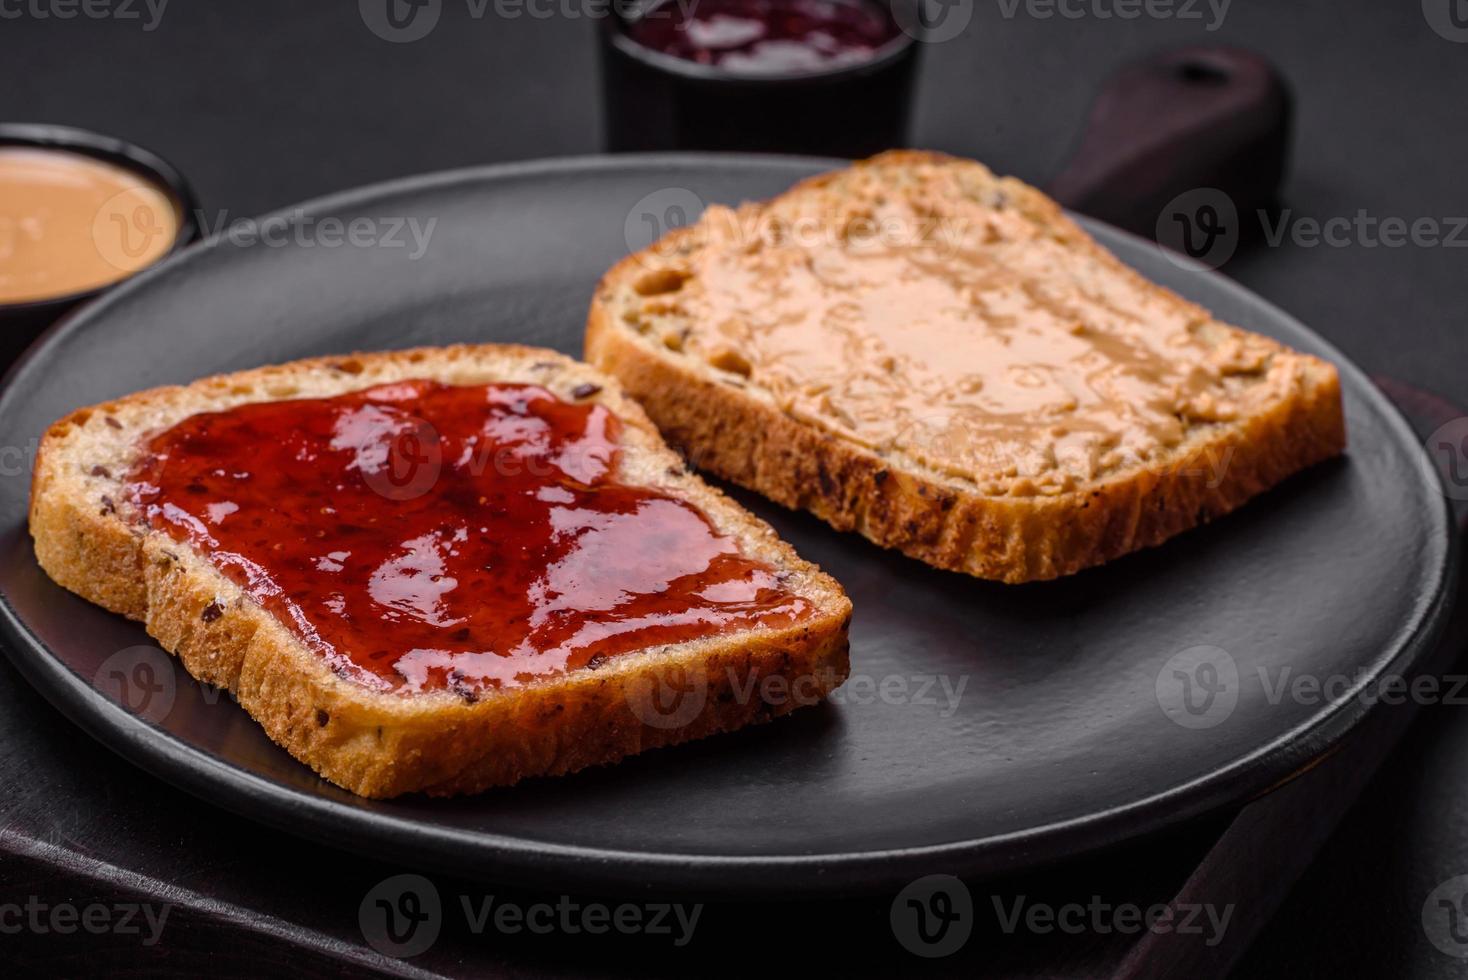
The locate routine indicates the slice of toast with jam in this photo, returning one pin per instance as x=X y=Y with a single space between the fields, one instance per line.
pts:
x=435 y=570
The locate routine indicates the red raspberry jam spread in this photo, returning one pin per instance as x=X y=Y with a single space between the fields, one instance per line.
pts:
x=766 y=37
x=423 y=536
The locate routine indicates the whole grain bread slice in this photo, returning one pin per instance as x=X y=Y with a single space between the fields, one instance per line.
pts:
x=89 y=540
x=698 y=355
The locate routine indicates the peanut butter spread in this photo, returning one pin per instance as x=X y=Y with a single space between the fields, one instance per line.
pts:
x=943 y=322
x=70 y=223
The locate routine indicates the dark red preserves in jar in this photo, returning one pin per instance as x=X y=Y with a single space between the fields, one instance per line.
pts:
x=766 y=37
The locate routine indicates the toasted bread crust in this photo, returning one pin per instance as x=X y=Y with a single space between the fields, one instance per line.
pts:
x=382 y=745
x=942 y=521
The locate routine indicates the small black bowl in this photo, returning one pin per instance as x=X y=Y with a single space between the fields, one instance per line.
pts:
x=21 y=323
x=657 y=101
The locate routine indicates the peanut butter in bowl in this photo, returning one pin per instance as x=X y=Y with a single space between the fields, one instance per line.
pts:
x=72 y=223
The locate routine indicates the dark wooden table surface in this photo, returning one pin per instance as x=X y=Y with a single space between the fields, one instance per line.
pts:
x=269 y=102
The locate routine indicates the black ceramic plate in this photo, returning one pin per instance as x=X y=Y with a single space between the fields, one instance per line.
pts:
x=986 y=728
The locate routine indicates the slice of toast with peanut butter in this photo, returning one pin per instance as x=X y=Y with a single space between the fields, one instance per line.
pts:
x=939 y=359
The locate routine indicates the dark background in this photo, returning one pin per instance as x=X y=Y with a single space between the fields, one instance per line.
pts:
x=263 y=103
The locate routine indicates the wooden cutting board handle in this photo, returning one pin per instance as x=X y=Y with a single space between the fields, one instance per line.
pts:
x=1194 y=117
